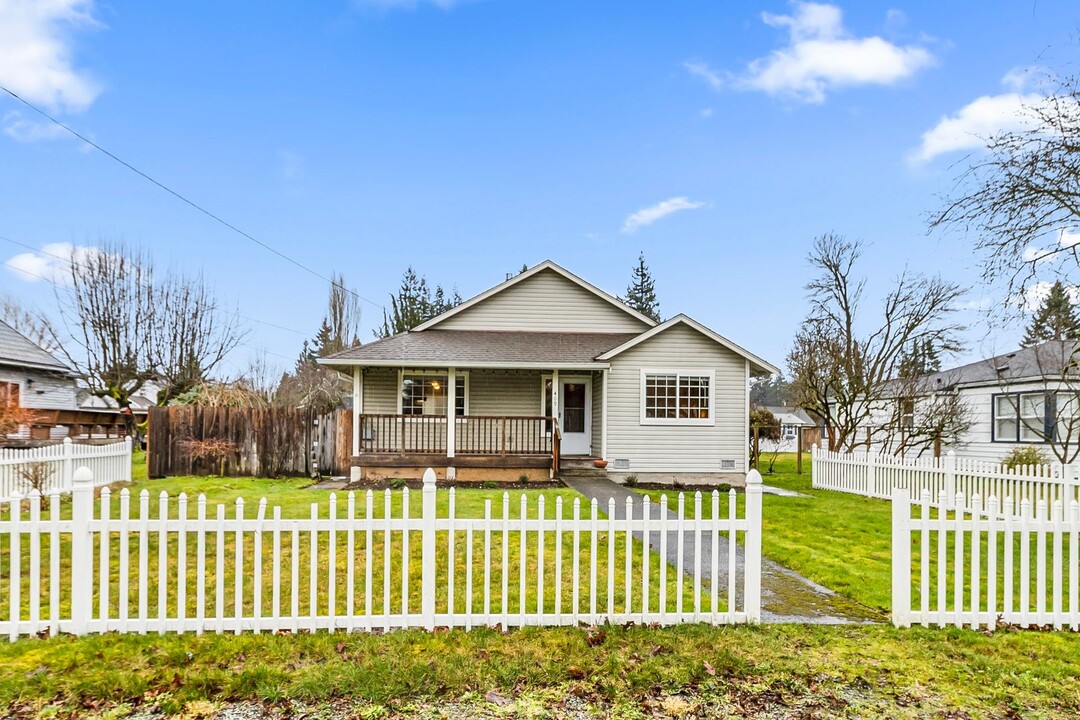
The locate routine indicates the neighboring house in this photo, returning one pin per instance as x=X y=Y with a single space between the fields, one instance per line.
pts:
x=1027 y=397
x=32 y=378
x=543 y=367
x=792 y=421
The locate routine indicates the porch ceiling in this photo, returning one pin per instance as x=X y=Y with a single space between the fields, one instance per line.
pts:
x=476 y=348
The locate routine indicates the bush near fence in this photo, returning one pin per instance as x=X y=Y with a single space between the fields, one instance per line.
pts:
x=351 y=567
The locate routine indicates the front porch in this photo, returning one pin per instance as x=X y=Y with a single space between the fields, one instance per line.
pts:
x=474 y=423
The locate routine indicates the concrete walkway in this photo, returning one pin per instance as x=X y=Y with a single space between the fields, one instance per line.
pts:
x=786 y=596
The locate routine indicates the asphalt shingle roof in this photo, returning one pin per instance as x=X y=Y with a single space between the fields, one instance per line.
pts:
x=1045 y=360
x=16 y=349
x=444 y=347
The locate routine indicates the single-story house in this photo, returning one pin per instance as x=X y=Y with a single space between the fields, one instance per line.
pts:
x=544 y=367
x=793 y=420
x=1030 y=396
x=32 y=378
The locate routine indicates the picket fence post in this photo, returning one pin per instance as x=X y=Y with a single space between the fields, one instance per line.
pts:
x=950 y=480
x=901 y=557
x=752 y=564
x=82 y=510
x=427 y=576
x=814 y=470
x=871 y=475
x=67 y=465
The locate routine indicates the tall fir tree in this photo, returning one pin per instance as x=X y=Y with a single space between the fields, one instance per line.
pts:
x=641 y=292
x=1056 y=319
x=921 y=358
x=414 y=303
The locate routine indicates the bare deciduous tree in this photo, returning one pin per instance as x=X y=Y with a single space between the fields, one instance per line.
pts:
x=840 y=371
x=923 y=413
x=190 y=335
x=33 y=325
x=1025 y=189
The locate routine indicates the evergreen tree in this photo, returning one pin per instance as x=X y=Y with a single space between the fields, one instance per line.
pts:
x=921 y=358
x=414 y=303
x=641 y=292
x=1056 y=319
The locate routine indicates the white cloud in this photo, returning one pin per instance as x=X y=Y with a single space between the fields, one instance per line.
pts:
x=703 y=71
x=50 y=264
x=706 y=112
x=35 y=52
x=971 y=126
x=821 y=56
x=36 y=61
x=649 y=215
x=1069 y=237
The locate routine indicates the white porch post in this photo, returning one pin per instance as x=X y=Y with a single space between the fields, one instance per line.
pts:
x=603 y=413
x=357 y=411
x=451 y=412
x=555 y=397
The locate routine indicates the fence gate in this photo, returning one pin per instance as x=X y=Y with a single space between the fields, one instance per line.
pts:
x=372 y=562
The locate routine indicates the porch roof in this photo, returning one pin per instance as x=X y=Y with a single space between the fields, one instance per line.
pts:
x=481 y=348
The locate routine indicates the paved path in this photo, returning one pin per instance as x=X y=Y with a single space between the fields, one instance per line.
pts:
x=786 y=596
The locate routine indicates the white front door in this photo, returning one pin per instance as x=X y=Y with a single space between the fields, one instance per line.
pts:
x=575 y=415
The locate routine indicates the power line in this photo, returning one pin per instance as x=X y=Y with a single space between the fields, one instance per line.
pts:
x=69 y=261
x=185 y=200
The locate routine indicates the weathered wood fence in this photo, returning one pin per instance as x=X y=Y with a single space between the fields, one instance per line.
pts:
x=268 y=442
x=371 y=565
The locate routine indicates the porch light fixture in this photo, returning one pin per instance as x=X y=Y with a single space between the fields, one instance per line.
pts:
x=435 y=385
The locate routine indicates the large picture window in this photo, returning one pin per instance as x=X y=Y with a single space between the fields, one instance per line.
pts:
x=677 y=397
x=427 y=394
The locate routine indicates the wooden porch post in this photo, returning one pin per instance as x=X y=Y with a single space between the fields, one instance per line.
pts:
x=555 y=396
x=357 y=412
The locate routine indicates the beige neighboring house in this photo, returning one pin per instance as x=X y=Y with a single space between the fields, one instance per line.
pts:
x=543 y=370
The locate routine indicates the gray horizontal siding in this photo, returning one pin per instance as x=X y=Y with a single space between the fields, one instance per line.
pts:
x=545 y=302
x=678 y=448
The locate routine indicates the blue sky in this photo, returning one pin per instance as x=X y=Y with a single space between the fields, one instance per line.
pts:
x=467 y=138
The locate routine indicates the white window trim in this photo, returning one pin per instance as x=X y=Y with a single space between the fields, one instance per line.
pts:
x=402 y=373
x=697 y=372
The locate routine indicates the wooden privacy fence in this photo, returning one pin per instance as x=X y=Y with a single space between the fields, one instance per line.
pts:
x=948 y=477
x=254 y=441
x=370 y=565
x=109 y=463
x=977 y=566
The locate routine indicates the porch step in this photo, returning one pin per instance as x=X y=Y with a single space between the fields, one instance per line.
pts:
x=576 y=462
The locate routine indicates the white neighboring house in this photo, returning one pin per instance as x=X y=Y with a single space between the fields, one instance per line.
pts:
x=792 y=421
x=32 y=378
x=1029 y=397
x=543 y=368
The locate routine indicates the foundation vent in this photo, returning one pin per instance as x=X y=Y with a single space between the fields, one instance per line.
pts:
x=620 y=464
x=727 y=464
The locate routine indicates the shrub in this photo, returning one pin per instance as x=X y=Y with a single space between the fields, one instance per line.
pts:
x=35 y=478
x=724 y=487
x=631 y=481
x=1024 y=455
x=214 y=450
x=523 y=478
x=489 y=485
x=398 y=483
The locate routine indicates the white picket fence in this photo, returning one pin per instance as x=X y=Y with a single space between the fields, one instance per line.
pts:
x=978 y=567
x=877 y=476
x=237 y=571
x=109 y=463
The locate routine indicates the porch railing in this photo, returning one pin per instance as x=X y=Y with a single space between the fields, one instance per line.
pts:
x=473 y=434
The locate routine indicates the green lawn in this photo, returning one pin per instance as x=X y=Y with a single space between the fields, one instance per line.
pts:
x=691 y=671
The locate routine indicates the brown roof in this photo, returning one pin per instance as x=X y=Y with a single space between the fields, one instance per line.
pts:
x=462 y=347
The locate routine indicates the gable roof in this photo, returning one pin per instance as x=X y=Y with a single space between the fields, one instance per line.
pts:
x=535 y=270
x=1046 y=360
x=479 y=348
x=756 y=363
x=18 y=350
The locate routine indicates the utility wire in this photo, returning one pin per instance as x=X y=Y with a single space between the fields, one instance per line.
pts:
x=70 y=262
x=184 y=199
